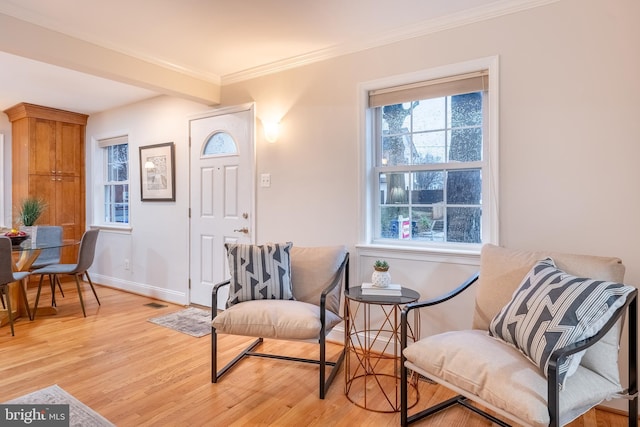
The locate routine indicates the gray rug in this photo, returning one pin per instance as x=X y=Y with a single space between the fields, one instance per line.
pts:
x=80 y=415
x=192 y=321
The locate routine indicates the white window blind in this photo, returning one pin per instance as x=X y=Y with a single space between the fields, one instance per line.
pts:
x=447 y=86
x=117 y=140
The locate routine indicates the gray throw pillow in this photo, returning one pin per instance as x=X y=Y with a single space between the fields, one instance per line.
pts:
x=552 y=309
x=259 y=272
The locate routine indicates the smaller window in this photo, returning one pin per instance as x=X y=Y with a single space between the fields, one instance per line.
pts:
x=116 y=180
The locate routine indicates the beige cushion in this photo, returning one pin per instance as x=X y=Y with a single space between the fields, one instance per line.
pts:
x=280 y=319
x=312 y=270
x=603 y=356
x=475 y=364
x=552 y=309
x=502 y=270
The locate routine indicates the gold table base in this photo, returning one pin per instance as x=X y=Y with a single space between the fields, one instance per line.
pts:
x=372 y=376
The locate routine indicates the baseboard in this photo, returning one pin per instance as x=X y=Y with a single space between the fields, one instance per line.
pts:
x=144 y=289
x=614 y=411
x=337 y=335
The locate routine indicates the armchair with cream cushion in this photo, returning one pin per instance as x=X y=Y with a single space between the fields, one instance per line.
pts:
x=282 y=292
x=543 y=347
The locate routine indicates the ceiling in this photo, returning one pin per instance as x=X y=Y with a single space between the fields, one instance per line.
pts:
x=93 y=55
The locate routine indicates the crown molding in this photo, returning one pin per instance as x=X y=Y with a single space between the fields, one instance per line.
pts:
x=482 y=13
x=494 y=9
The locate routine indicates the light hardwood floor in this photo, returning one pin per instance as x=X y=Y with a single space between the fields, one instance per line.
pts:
x=136 y=373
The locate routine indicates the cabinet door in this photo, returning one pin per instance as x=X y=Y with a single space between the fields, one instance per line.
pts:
x=69 y=213
x=42 y=148
x=64 y=207
x=69 y=155
x=44 y=187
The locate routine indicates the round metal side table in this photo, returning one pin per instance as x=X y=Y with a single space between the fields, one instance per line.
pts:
x=373 y=360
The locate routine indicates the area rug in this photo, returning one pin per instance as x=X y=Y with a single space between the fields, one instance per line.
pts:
x=192 y=321
x=80 y=415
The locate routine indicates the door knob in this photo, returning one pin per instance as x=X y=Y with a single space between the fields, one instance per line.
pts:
x=244 y=230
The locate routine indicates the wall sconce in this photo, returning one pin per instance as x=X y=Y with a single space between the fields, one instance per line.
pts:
x=271 y=131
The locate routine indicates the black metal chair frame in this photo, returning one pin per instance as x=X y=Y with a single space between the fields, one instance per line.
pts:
x=553 y=385
x=325 y=381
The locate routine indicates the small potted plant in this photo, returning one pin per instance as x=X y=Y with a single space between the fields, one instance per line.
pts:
x=30 y=211
x=381 y=277
x=381 y=265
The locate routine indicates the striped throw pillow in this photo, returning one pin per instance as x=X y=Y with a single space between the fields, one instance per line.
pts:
x=259 y=272
x=552 y=309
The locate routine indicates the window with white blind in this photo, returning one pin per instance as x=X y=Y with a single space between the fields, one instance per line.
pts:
x=431 y=181
x=116 y=180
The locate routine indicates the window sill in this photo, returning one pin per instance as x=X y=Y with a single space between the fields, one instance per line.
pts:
x=124 y=229
x=421 y=253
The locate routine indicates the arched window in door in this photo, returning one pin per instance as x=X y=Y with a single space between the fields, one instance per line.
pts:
x=220 y=144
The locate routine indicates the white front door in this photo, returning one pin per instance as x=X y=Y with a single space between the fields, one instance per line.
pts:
x=222 y=194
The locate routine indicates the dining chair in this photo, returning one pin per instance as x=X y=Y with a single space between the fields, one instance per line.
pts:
x=85 y=260
x=49 y=234
x=7 y=276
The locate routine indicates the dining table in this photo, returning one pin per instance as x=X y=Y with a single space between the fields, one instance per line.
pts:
x=24 y=255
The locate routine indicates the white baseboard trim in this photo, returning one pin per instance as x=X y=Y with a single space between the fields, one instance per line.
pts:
x=144 y=289
x=337 y=336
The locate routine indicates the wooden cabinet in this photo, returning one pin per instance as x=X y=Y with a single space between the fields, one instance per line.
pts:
x=48 y=163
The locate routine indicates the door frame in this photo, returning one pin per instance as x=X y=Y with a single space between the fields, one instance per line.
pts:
x=249 y=106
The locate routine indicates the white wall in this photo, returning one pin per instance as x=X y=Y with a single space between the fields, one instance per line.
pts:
x=157 y=244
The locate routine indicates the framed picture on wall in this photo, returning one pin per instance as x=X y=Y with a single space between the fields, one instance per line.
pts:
x=157 y=173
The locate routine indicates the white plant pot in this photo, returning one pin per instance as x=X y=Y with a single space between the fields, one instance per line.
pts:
x=380 y=279
x=32 y=231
